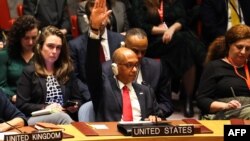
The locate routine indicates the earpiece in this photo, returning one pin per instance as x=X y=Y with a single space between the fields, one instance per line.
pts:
x=114 y=68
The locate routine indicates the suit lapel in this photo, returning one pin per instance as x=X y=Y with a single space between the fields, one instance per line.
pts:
x=42 y=82
x=141 y=97
x=116 y=90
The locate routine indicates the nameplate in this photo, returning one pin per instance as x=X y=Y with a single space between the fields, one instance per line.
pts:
x=162 y=131
x=39 y=136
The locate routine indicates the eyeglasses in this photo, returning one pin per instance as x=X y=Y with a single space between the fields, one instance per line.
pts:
x=130 y=65
x=240 y=47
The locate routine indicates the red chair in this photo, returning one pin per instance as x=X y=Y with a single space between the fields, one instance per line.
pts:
x=5 y=21
x=19 y=9
x=74 y=26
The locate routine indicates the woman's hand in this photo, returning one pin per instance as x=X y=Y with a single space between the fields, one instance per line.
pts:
x=167 y=36
x=233 y=104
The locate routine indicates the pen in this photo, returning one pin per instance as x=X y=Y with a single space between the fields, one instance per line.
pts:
x=232 y=90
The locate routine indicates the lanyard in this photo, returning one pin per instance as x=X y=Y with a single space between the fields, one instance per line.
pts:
x=160 y=11
x=247 y=79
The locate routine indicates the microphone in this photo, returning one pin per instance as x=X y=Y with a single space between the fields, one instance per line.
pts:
x=233 y=93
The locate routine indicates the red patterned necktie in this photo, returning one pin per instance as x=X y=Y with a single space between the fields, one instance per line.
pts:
x=126 y=107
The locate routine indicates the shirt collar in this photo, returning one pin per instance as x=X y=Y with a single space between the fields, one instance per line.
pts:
x=105 y=34
x=121 y=85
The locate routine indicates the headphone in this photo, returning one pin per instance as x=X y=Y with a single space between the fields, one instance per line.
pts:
x=114 y=68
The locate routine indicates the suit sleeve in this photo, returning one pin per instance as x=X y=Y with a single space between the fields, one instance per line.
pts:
x=163 y=93
x=8 y=110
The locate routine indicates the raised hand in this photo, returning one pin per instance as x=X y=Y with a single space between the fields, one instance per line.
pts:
x=99 y=15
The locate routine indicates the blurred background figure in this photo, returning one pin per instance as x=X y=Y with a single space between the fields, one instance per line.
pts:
x=118 y=21
x=171 y=40
x=220 y=15
x=18 y=53
x=49 y=12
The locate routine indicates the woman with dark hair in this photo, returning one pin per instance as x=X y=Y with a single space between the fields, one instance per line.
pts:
x=50 y=82
x=170 y=39
x=18 y=53
x=225 y=82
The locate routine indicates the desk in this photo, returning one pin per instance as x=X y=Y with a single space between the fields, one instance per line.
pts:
x=217 y=126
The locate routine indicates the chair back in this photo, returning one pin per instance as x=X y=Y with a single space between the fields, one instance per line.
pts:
x=19 y=9
x=5 y=21
x=74 y=26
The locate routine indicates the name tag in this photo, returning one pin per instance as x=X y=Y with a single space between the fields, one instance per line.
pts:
x=162 y=131
x=40 y=136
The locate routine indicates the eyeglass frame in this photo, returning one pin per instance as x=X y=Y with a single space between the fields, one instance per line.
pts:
x=130 y=65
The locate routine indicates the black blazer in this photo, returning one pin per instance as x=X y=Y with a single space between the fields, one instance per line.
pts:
x=32 y=91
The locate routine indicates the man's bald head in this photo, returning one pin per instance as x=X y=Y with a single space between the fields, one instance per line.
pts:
x=121 y=54
x=126 y=64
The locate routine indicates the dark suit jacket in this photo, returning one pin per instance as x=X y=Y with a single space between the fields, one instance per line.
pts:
x=49 y=12
x=214 y=15
x=109 y=102
x=153 y=76
x=79 y=47
x=118 y=9
x=32 y=91
x=8 y=111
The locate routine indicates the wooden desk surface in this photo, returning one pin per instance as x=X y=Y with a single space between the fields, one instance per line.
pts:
x=217 y=126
